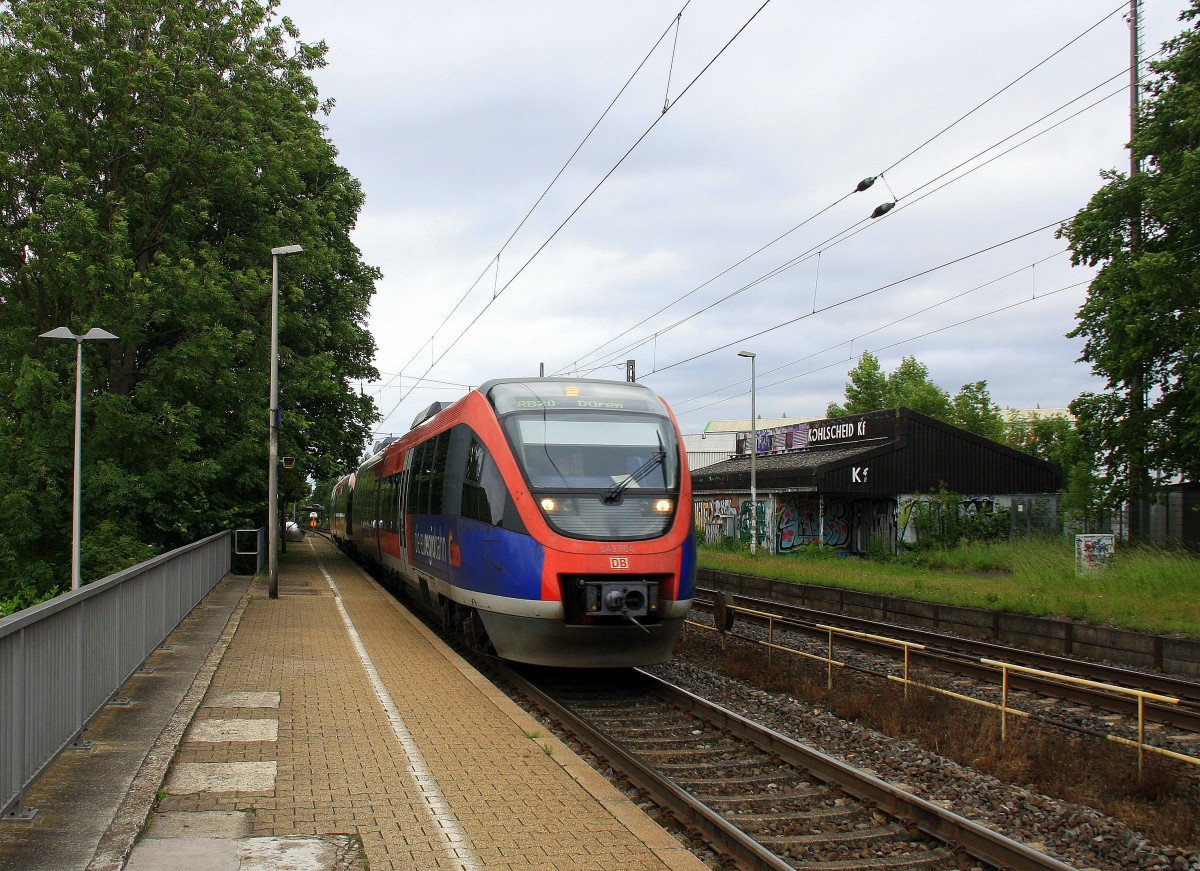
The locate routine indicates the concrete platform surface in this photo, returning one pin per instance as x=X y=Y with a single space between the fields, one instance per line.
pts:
x=336 y=731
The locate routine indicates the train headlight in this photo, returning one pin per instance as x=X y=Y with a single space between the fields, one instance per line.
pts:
x=664 y=506
x=549 y=505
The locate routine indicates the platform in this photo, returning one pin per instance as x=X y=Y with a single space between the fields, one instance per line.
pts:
x=331 y=729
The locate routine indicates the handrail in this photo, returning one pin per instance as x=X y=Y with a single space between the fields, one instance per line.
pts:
x=1141 y=696
x=63 y=660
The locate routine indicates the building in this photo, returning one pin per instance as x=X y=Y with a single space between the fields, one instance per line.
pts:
x=857 y=482
x=719 y=440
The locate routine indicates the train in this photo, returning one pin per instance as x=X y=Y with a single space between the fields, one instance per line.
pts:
x=544 y=520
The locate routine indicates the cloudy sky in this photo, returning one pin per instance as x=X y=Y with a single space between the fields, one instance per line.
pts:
x=727 y=222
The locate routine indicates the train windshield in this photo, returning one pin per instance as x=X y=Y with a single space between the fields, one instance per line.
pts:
x=616 y=452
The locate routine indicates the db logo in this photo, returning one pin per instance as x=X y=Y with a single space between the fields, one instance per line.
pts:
x=619 y=563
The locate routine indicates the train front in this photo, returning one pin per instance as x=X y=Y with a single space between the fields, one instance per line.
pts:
x=608 y=481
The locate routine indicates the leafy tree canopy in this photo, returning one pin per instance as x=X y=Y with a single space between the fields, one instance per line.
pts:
x=151 y=155
x=1141 y=321
x=909 y=384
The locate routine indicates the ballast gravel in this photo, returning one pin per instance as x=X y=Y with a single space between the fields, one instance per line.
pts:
x=1078 y=835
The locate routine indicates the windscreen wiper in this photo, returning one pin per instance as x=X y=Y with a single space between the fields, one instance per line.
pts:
x=615 y=491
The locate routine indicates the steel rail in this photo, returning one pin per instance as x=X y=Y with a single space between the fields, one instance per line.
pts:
x=951 y=650
x=1158 y=683
x=939 y=823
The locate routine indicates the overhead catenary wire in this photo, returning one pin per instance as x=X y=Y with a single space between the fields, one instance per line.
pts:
x=494 y=263
x=843 y=361
x=487 y=305
x=856 y=228
x=610 y=359
x=678 y=404
x=1023 y=75
x=860 y=296
x=1033 y=298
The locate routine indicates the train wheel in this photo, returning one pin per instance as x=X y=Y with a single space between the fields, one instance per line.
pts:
x=475 y=633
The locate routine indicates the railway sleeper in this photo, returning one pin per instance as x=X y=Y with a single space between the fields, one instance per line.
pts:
x=889 y=833
x=652 y=752
x=938 y=858
x=799 y=793
x=831 y=815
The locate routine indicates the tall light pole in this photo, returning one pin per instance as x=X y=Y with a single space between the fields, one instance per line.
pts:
x=95 y=333
x=753 y=459
x=273 y=452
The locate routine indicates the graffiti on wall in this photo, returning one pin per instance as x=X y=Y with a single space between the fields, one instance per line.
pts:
x=744 y=521
x=798 y=523
x=711 y=514
x=718 y=515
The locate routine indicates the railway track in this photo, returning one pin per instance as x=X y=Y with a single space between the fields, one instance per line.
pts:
x=973 y=659
x=759 y=797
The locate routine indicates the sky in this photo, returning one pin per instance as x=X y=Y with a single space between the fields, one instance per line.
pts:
x=730 y=220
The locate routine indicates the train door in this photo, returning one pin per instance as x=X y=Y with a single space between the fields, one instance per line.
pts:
x=402 y=516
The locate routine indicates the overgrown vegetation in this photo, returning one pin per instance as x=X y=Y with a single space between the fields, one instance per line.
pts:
x=1145 y=589
x=1087 y=771
x=156 y=152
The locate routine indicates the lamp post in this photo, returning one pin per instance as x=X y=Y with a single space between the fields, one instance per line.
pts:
x=273 y=451
x=753 y=458
x=95 y=333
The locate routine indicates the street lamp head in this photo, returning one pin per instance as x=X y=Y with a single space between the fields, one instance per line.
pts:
x=65 y=333
x=287 y=249
x=97 y=333
x=745 y=354
x=59 y=333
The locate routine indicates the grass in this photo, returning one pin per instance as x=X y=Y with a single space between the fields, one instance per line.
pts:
x=1146 y=589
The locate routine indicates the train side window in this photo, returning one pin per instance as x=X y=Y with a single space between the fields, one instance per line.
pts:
x=437 y=475
x=389 y=492
x=419 y=481
x=401 y=501
x=484 y=493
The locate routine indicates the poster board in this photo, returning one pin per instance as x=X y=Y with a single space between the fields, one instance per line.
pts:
x=1093 y=553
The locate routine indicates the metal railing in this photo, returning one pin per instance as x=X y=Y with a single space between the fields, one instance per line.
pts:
x=251 y=542
x=61 y=661
x=724 y=613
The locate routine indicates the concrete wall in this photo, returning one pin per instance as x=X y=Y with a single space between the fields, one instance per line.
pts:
x=1062 y=637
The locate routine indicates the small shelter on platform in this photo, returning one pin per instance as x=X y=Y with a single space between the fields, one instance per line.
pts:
x=851 y=483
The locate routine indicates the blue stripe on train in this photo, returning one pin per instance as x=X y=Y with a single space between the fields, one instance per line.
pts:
x=478 y=557
x=687 y=568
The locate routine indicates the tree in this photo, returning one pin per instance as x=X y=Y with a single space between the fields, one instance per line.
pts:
x=1057 y=439
x=153 y=154
x=866 y=391
x=909 y=385
x=1140 y=322
x=974 y=411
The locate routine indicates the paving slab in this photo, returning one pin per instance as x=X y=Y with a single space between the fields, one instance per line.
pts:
x=327 y=729
x=385 y=734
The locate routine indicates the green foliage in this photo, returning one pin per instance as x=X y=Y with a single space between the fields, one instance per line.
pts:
x=108 y=548
x=1140 y=322
x=937 y=519
x=974 y=411
x=909 y=385
x=155 y=153
x=994 y=525
x=1085 y=498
